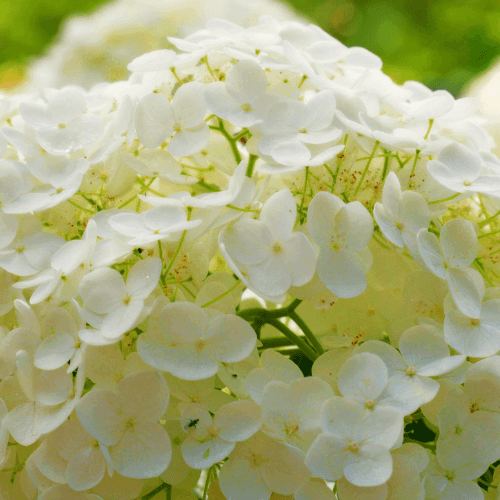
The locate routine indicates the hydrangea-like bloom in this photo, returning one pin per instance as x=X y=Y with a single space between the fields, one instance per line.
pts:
x=177 y=249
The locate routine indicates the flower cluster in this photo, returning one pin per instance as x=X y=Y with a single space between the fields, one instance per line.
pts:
x=158 y=233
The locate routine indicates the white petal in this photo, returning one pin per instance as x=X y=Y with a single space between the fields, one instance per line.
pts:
x=326 y=457
x=102 y=290
x=146 y=405
x=153 y=119
x=363 y=376
x=248 y=241
x=100 y=414
x=371 y=466
x=459 y=243
x=157 y=60
x=231 y=338
x=272 y=277
x=422 y=345
x=189 y=105
x=142 y=452
x=341 y=272
x=463 y=286
x=279 y=214
x=246 y=81
x=351 y=492
x=189 y=141
x=387 y=225
x=300 y=258
x=354 y=227
x=143 y=277
x=200 y=455
x=430 y=251
x=55 y=351
x=321 y=217
x=238 y=421
x=85 y=469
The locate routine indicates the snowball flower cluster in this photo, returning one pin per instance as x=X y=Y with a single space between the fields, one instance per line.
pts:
x=255 y=269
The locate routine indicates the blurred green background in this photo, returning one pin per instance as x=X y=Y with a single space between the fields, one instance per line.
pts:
x=442 y=43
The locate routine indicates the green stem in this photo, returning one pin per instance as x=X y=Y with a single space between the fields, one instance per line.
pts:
x=435 y=202
x=172 y=69
x=251 y=164
x=242 y=209
x=412 y=173
x=264 y=313
x=80 y=207
x=429 y=446
x=207 y=483
x=386 y=164
x=431 y=122
x=222 y=295
x=489 y=219
x=169 y=492
x=178 y=249
x=304 y=192
x=162 y=276
x=154 y=492
x=294 y=338
x=365 y=171
x=307 y=332
x=232 y=142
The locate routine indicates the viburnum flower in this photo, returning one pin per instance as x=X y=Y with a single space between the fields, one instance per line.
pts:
x=355 y=443
x=113 y=306
x=290 y=412
x=261 y=465
x=450 y=258
x=342 y=231
x=211 y=439
x=242 y=98
x=63 y=344
x=402 y=215
x=188 y=343
x=476 y=337
x=424 y=354
x=275 y=367
x=62 y=125
x=125 y=422
x=153 y=225
x=459 y=169
x=156 y=119
x=272 y=255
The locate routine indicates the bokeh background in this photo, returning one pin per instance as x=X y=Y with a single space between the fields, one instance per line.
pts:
x=440 y=43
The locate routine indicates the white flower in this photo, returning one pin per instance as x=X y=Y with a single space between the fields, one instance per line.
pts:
x=153 y=225
x=449 y=259
x=342 y=231
x=125 y=422
x=242 y=98
x=476 y=337
x=113 y=306
x=459 y=169
x=402 y=215
x=49 y=400
x=291 y=412
x=354 y=443
x=275 y=366
x=205 y=200
x=211 y=439
x=189 y=344
x=62 y=125
x=156 y=119
x=261 y=465
x=424 y=354
x=275 y=257
x=63 y=345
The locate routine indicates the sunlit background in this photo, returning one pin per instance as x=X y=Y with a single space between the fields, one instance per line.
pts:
x=441 y=43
